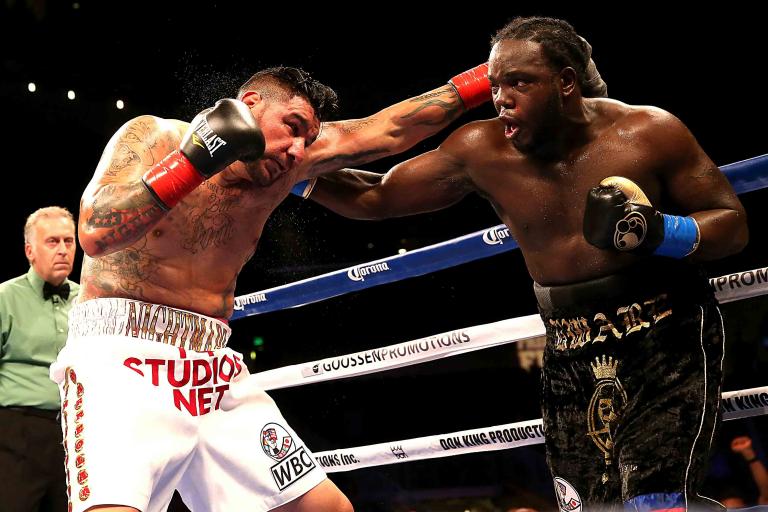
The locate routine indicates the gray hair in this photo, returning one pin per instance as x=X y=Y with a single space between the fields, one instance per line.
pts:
x=47 y=212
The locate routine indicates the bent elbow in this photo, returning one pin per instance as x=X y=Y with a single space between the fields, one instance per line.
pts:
x=741 y=239
x=732 y=233
x=92 y=245
x=91 y=248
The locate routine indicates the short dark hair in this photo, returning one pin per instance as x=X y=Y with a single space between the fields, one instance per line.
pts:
x=275 y=82
x=560 y=43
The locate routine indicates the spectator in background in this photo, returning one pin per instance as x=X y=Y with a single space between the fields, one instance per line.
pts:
x=743 y=446
x=33 y=328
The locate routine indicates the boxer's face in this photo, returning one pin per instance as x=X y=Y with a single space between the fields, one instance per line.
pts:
x=51 y=248
x=525 y=92
x=289 y=127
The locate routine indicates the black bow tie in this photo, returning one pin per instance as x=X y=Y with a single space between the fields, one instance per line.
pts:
x=62 y=290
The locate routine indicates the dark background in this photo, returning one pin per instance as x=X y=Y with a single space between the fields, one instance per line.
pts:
x=174 y=58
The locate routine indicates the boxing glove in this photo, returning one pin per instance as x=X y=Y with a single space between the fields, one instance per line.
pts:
x=474 y=89
x=473 y=86
x=216 y=137
x=618 y=216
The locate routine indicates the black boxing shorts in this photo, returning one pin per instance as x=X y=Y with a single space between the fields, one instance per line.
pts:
x=631 y=387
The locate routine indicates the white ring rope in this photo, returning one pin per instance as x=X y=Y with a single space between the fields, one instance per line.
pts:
x=735 y=404
x=731 y=287
x=417 y=351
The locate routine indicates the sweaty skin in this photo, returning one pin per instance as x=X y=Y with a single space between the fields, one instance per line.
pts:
x=537 y=161
x=190 y=257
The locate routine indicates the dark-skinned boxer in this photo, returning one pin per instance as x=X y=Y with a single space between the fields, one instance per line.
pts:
x=632 y=370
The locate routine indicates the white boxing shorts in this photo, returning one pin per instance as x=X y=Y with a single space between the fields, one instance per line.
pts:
x=152 y=401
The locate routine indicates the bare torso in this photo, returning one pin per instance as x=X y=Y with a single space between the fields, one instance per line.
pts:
x=191 y=258
x=542 y=202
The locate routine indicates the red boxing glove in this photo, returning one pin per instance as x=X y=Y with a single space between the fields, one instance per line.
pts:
x=473 y=86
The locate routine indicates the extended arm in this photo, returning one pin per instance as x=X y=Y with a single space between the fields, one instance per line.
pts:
x=428 y=182
x=398 y=127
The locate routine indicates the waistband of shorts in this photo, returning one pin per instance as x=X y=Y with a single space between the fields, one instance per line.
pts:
x=147 y=321
x=635 y=282
x=49 y=414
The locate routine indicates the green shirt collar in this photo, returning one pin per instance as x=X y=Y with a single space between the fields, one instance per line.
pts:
x=35 y=280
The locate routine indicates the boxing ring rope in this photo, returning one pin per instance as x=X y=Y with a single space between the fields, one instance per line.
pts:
x=728 y=288
x=735 y=404
x=745 y=176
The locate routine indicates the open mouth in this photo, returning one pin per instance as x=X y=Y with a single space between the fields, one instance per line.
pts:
x=510 y=128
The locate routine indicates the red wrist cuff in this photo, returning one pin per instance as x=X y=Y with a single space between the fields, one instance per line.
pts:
x=172 y=179
x=473 y=86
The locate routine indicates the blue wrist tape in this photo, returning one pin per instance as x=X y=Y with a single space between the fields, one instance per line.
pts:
x=681 y=237
x=304 y=188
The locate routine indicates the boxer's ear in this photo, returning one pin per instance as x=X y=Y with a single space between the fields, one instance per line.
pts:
x=567 y=81
x=251 y=98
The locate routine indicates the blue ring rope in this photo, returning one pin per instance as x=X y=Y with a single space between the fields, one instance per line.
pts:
x=745 y=176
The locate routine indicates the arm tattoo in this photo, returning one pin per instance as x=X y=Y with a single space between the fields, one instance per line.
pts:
x=124 y=213
x=444 y=98
x=124 y=153
x=352 y=126
x=124 y=156
x=436 y=94
x=451 y=108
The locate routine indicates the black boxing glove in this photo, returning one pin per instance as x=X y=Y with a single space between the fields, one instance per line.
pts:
x=619 y=216
x=216 y=137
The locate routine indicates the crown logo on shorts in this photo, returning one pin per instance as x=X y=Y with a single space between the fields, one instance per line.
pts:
x=605 y=369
